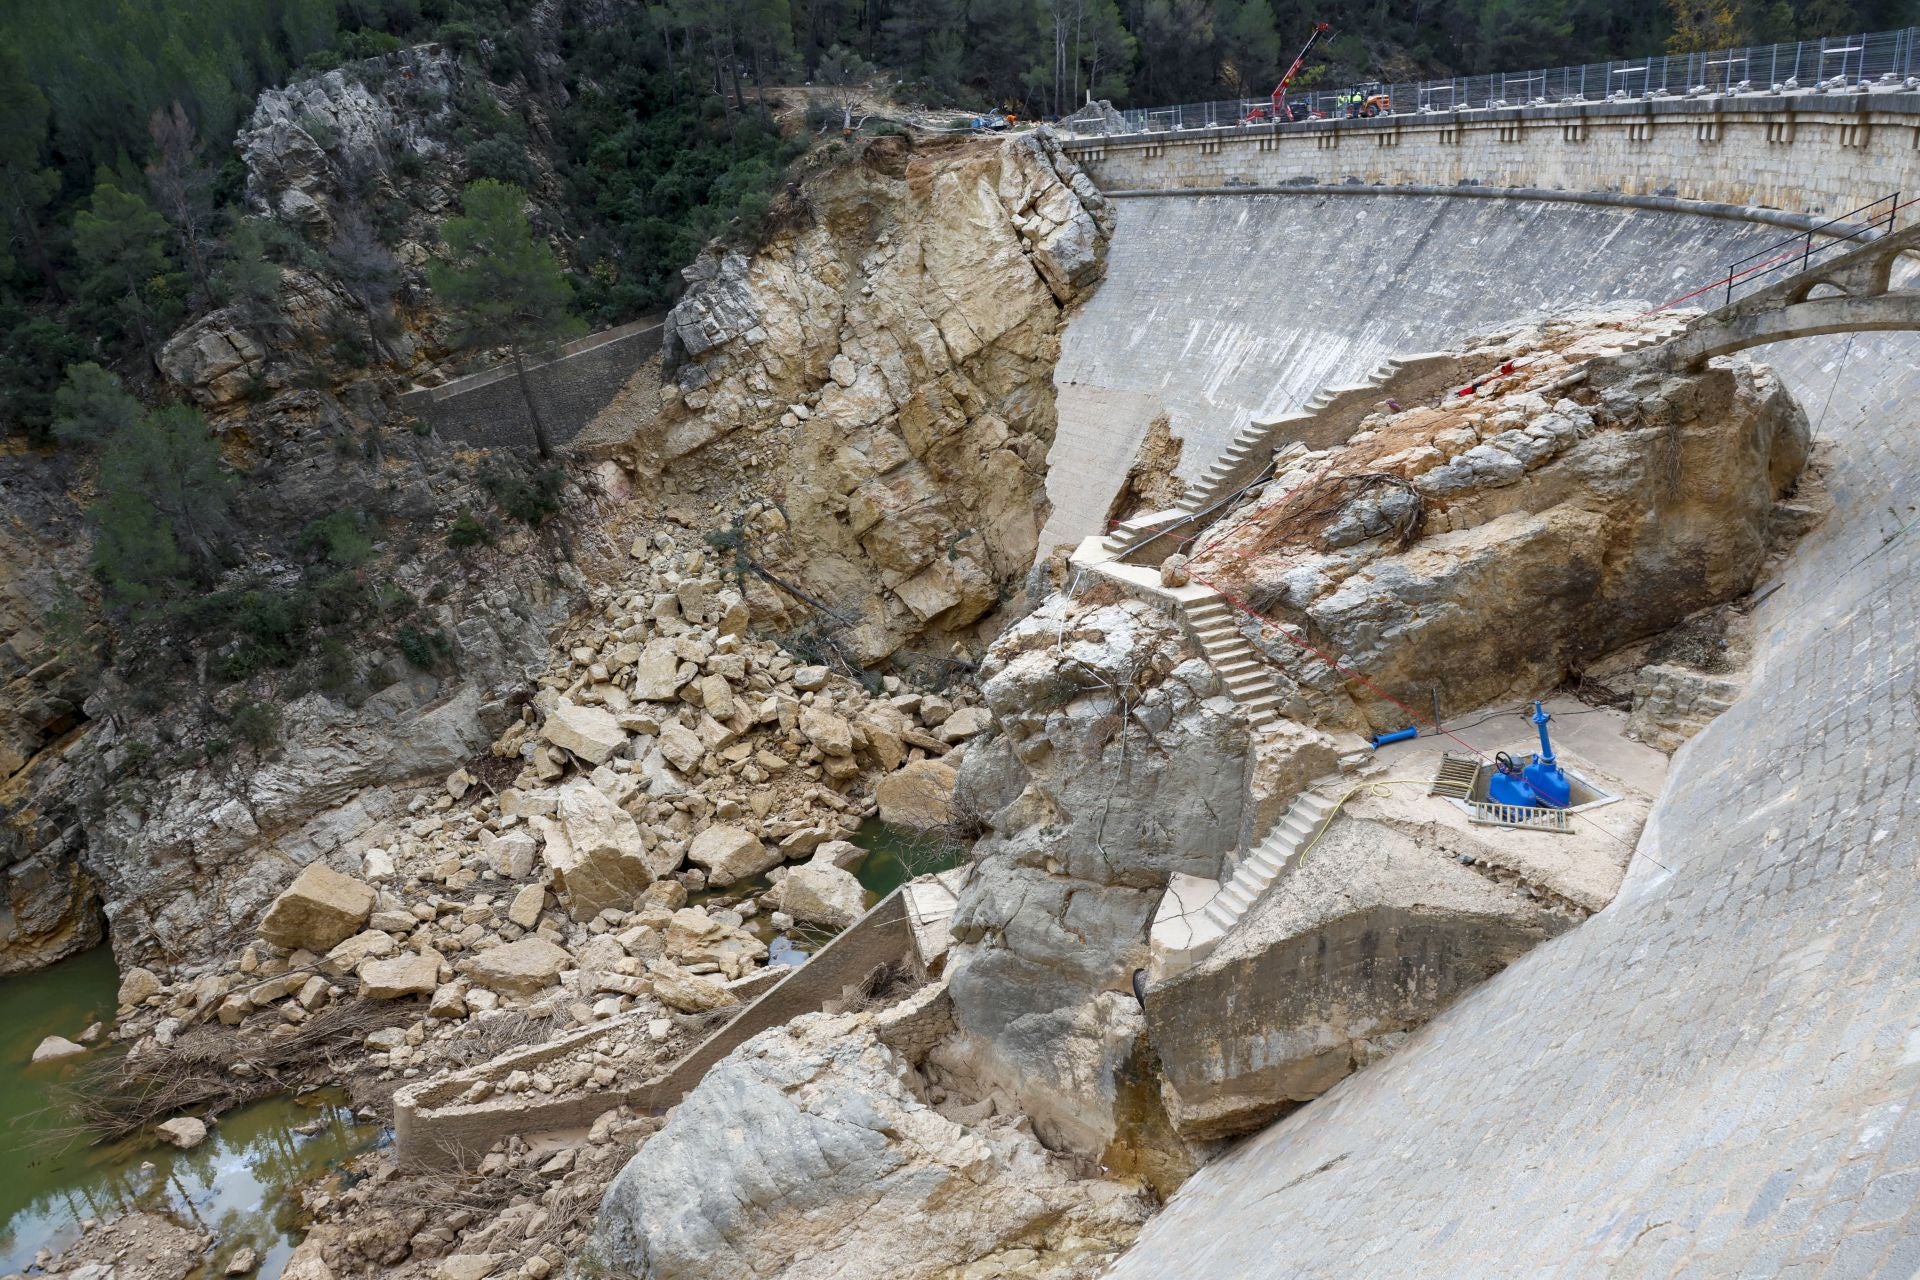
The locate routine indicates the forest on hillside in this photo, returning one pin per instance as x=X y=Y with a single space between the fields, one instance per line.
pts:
x=593 y=148
x=124 y=199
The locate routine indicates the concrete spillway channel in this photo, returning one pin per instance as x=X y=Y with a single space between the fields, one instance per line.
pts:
x=1717 y=1075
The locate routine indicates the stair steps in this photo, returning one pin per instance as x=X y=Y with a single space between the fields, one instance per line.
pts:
x=1210 y=621
x=1261 y=866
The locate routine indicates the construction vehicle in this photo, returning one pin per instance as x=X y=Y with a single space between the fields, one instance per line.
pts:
x=1366 y=102
x=1279 y=109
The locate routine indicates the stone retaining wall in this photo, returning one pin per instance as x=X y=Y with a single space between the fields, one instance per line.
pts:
x=433 y=1129
x=571 y=388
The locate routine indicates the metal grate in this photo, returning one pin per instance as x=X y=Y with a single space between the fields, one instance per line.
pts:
x=1525 y=817
x=1456 y=777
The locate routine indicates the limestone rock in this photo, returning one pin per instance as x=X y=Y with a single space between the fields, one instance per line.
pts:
x=522 y=968
x=844 y=854
x=918 y=797
x=527 y=905
x=822 y=894
x=695 y=937
x=54 y=1048
x=412 y=974
x=804 y=1154
x=827 y=731
x=588 y=732
x=657 y=676
x=682 y=747
x=595 y=851
x=908 y=481
x=137 y=986
x=318 y=911
x=184 y=1132
x=349 y=955
x=1364 y=942
x=729 y=854
x=688 y=992
x=1052 y=917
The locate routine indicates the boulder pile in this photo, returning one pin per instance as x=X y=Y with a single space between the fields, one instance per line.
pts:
x=670 y=785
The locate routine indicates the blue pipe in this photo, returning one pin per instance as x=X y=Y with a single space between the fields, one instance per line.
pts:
x=1380 y=740
x=1540 y=718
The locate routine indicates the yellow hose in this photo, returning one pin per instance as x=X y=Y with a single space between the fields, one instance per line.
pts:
x=1378 y=788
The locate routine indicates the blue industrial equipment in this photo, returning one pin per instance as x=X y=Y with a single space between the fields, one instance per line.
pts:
x=1544 y=775
x=1507 y=786
x=1380 y=740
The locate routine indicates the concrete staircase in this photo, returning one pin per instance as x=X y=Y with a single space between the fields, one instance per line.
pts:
x=1327 y=418
x=1234 y=659
x=1196 y=914
x=1261 y=865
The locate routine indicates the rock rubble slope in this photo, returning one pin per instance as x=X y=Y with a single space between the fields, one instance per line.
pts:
x=882 y=368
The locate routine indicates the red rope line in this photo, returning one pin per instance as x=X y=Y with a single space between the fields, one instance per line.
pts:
x=1267 y=623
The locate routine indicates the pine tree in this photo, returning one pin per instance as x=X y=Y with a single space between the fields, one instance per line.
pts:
x=164 y=505
x=122 y=245
x=502 y=284
x=91 y=407
x=182 y=185
x=26 y=187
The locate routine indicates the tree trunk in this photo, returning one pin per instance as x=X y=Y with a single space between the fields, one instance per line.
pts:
x=533 y=410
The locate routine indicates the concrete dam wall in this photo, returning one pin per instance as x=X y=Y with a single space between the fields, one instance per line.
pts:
x=1219 y=307
x=1719 y=1074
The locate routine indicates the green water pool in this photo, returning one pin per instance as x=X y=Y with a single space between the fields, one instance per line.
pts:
x=895 y=857
x=241 y=1184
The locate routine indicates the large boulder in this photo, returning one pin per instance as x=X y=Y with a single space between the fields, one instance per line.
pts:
x=820 y=893
x=596 y=852
x=730 y=854
x=588 y=732
x=54 y=1048
x=184 y=1132
x=412 y=974
x=1087 y=819
x=806 y=1155
x=318 y=911
x=694 y=937
x=674 y=987
x=522 y=968
x=1358 y=946
x=918 y=796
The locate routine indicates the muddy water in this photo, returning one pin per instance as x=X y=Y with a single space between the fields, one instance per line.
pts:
x=241 y=1184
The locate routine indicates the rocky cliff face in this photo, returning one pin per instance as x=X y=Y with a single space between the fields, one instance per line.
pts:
x=812 y=1152
x=1465 y=553
x=1482 y=548
x=882 y=369
x=47 y=903
x=1119 y=760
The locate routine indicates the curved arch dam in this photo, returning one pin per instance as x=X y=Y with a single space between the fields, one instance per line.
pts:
x=1718 y=1075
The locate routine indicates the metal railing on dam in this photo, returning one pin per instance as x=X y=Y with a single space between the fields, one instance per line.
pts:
x=1837 y=65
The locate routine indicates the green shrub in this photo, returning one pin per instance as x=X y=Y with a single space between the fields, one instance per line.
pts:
x=333 y=667
x=531 y=499
x=340 y=537
x=466 y=531
x=258 y=723
x=427 y=650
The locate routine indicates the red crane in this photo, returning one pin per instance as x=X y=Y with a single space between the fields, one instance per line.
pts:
x=1278 y=111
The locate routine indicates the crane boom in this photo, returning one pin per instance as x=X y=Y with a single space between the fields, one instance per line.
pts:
x=1280 y=90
